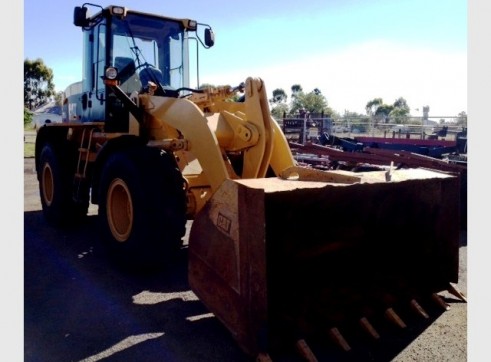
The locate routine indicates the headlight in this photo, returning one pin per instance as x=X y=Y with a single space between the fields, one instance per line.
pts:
x=118 y=10
x=192 y=25
x=111 y=73
x=111 y=76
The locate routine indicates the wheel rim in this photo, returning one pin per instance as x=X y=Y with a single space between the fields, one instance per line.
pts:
x=119 y=210
x=48 y=184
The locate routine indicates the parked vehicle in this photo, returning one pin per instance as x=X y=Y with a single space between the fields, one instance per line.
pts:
x=48 y=113
x=340 y=129
x=402 y=128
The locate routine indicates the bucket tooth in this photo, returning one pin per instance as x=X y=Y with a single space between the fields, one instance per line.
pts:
x=418 y=309
x=452 y=289
x=438 y=300
x=263 y=357
x=394 y=318
x=339 y=339
x=305 y=351
x=367 y=326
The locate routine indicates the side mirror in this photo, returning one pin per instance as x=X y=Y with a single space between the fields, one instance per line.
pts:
x=80 y=16
x=209 y=37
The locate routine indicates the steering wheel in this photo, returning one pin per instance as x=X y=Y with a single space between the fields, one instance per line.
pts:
x=149 y=72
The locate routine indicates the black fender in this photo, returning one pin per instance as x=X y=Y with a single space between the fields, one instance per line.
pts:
x=111 y=146
x=55 y=135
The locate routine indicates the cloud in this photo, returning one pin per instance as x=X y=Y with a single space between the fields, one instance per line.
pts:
x=353 y=76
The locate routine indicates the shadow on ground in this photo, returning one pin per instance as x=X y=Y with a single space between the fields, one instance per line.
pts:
x=80 y=306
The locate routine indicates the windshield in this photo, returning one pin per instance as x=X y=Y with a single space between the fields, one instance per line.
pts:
x=149 y=48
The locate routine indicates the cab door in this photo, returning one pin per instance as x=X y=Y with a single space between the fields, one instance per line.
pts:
x=93 y=93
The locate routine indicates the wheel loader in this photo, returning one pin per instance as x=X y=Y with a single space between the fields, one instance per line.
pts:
x=280 y=254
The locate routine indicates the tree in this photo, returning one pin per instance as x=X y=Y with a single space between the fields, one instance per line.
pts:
x=38 y=83
x=383 y=111
x=401 y=104
x=296 y=89
x=400 y=111
x=352 y=120
x=279 y=111
x=379 y=110
x=308 y=102
x=279 y=95
x=352 y=115
x=278 y=103
x=462 y=119
x=372 y=106
x=27 y=117
x=399 y=115
x=59 y=98
x=312 y=102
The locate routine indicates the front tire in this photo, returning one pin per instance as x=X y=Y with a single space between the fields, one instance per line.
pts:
x=142 y=207
x=55 y=175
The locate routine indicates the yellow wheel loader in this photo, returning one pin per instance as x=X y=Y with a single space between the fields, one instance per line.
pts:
x=279 y=253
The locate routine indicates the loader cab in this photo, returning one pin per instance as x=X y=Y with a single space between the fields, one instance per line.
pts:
x=142 y=47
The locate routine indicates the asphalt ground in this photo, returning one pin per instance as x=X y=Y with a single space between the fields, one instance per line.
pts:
x=79 y=306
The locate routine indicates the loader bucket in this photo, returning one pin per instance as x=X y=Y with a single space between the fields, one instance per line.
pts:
x=276 y=260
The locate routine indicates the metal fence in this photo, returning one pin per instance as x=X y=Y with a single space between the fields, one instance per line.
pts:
x=309 y=128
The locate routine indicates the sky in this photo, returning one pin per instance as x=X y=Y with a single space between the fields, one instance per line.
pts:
x=352 y=50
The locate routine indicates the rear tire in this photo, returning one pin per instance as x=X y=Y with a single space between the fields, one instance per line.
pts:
x=55 y=175
x=142 y=207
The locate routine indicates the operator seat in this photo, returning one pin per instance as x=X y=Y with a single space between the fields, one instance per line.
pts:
x=151 y=74
x=129 y=81
x=125 y=66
